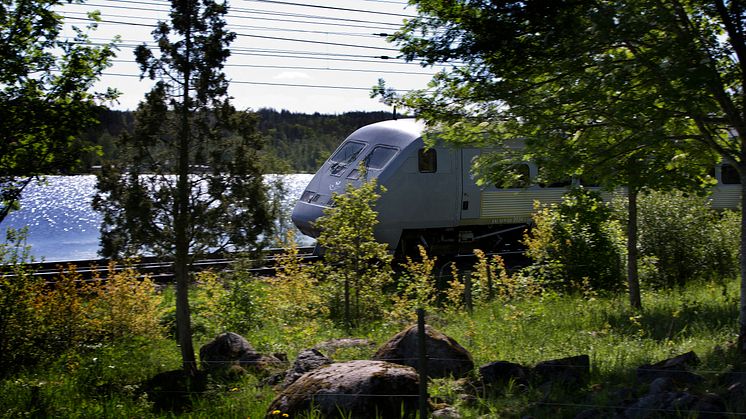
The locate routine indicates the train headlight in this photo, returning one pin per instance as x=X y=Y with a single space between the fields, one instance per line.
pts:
x=310 y=197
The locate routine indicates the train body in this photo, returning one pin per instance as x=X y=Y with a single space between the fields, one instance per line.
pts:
x=431 y=196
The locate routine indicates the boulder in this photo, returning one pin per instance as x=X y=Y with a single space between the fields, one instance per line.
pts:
x=445 y=357
x=502 y=372
x=354 y=389
x=231 y=352
x=173 y=391
x=573 y=370
x=224 y=351
x=446 y=413
x=676 y=368
x=308 y=360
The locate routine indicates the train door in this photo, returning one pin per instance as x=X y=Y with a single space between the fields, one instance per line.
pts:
x=470 y=193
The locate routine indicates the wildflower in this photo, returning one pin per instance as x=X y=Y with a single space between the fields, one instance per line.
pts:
x=276 y=412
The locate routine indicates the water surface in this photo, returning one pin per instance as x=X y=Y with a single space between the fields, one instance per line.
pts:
x=62 y=225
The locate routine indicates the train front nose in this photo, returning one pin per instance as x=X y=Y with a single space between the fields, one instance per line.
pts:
x=304 y=215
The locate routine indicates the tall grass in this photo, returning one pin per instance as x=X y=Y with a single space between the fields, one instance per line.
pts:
x=105 y=379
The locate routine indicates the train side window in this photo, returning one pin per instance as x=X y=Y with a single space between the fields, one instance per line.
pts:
x=379 y=157
x=729 y=175
x=589 y=182
x=559 y=184
x=427 y=160
x=524 y=177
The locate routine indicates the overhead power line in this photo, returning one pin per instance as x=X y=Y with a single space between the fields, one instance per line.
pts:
x=307 y=68
x=337 y=44
x=332 y=8
x=239 y=12
x=274 y=38
x=311 y=86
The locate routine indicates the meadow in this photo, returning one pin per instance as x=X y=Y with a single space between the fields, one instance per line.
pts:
x=85 y=350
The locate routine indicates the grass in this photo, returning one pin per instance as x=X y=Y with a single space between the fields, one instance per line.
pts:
x=103 y=380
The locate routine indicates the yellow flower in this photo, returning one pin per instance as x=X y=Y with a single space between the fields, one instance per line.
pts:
x=276 y=412
x=285 y=415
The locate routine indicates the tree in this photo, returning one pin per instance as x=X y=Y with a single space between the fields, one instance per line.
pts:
x=631 y=92
x=356 y=265
x=45 y=98
x=180 y=188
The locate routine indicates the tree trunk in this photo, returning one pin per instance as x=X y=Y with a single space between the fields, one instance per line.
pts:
x=742 y=263
x=633 y=280
x=181 y=227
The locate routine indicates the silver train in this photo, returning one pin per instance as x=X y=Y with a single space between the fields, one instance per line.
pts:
x=431 y=197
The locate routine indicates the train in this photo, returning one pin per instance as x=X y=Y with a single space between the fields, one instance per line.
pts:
x=431 y=197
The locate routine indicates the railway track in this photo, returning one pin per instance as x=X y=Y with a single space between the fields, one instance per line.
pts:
x=158 y=270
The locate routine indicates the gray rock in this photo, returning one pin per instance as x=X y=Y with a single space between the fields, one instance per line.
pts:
x=445 y=357
x=660 y=385
x=446 y=413
x=710 y=406
x=308 y=360
x=231 y=353
x=172 y=391
x=224 y=351
x=355 y=388
x=735 y=397
x=502 y=372
x=648 y=406
x=676 y=368
x=573 y=370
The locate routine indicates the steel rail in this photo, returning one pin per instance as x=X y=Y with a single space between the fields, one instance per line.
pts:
x=160 y=271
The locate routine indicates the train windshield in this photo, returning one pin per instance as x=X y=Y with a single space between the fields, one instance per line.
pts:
x=380 y=155
x=348 y=153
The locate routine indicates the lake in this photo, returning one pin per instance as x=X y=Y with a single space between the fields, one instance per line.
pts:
x=63 y=226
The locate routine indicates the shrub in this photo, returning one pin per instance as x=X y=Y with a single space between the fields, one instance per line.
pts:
x=685 y=239
x=18 y=289
x=295 y=301
x=356 y=267
x=125 y=305
x=416 y=288
x=243 y=303
x=576 y=242
x=40 y=321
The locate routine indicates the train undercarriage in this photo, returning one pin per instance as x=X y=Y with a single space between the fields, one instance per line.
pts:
x=456 y=242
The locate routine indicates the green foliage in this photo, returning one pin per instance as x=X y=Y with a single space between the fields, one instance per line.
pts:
x=243 y=304
x=356 y=266
x=102 y=379
x=39 y=322
x=576 y=242
x=296 y=302
x=416 y=289
x=189 y=168
x=187 y=181
x=685 y=239
x=45 y=96
x=18 y=288
x=490 y=280
x=637 y=93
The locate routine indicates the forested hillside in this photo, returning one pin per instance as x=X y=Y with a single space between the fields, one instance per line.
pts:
x=294 y=142
x=305 y=141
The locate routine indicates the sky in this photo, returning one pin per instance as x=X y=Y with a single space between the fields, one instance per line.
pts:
x=299 y=55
